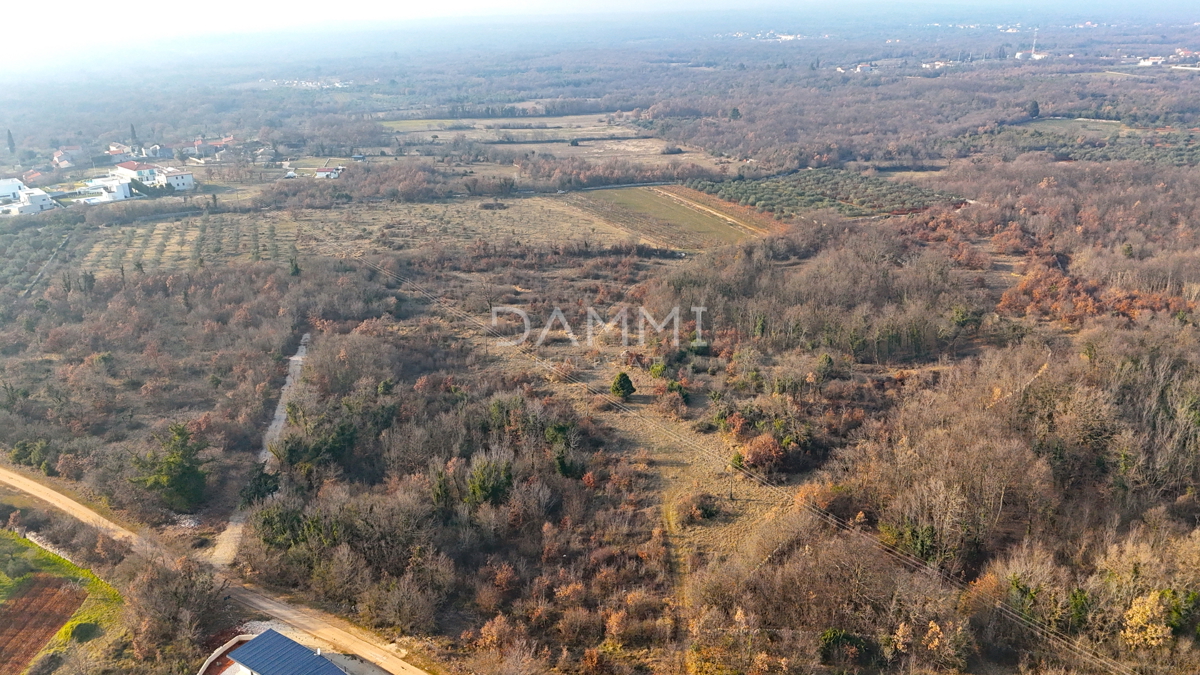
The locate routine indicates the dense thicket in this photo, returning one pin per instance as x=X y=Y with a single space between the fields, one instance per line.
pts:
x=94 y=374
x=422 y=497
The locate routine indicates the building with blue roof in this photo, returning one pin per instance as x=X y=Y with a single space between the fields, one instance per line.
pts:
x=271 y=653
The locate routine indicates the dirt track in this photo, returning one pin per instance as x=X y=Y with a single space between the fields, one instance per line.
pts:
x=316 y=623
x=227 y=543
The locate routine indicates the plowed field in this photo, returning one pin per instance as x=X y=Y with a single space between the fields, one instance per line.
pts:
x=32 y=616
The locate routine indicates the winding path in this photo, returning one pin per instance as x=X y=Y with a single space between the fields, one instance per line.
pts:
x=337 y=632
x=226 y=547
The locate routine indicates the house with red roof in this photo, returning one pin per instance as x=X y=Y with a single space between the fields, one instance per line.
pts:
x=146 y=173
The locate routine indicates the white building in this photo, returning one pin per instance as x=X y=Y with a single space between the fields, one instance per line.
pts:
x=1152 y=61
x=155 y=175
x=146 y=173
x=29 y=200
x=178 y=179
x=10 y=188
x=329 y=173
x=107 y=189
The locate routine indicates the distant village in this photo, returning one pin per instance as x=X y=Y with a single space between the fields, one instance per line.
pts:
x=118 y=173
x=80 y=174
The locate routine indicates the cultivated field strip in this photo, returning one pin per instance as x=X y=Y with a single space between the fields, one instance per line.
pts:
x=32 y=616
x=655 y=231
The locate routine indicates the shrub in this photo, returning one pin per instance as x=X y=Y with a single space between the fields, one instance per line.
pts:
x=763 y=452
x=622 y=387
x=489 y=481
x=697 y=507
x=671 y=404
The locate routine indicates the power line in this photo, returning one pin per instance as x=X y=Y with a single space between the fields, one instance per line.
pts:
x=914 y=563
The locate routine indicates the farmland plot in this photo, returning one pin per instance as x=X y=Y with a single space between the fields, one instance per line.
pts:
x=31 y=617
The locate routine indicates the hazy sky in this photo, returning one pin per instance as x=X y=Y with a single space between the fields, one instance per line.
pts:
x=80 y=25
x=90 y=34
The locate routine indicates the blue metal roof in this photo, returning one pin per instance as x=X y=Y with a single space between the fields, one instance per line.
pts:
x=273 y=654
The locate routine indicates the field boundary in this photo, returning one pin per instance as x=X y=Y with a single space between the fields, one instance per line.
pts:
x=99 y=605
x=753 y=230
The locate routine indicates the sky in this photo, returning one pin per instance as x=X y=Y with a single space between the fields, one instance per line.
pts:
x=83 y=32
x=82 y=24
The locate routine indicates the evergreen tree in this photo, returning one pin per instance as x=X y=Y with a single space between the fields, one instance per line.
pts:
x=175 y=474
x=132 y=135
x=12 y=145
x=622 y=387
x=1033 y=109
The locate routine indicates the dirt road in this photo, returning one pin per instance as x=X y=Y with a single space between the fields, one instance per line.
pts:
x=68 y=505
x=311 y=621
x=226 y=547
x=321 y=626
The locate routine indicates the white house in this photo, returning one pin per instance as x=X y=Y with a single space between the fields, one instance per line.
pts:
x=146 y=173
x=107 y=189
x=29 y=200
x=158 y=151
x=10 y=188
x=329 y=173
x=1152 y=61
x=176 y=178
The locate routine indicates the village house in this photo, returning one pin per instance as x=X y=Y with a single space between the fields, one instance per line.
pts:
x=23 y=200
x=177 y=178
x=269 y=653
x=10 y=188
x=107 y=189
x=67 y=156
x=158 y=151
x=146 y=173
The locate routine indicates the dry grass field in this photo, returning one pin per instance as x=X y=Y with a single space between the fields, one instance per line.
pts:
x=666 y=219
x=514 y=129
x=640 y=150
x=393 y=226
x=669 y=217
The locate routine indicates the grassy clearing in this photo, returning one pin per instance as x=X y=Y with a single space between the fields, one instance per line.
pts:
x=666 y=214
x=1075 y=126
x=101 y=609
x=395 y=226
x=515 y=129
x=559 y=122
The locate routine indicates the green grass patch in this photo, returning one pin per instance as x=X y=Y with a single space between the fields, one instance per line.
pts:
x=655 y=205
x=99 y=611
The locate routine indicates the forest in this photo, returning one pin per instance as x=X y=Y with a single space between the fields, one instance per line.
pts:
x=940 y=412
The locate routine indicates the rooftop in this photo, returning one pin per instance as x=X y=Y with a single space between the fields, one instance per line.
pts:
x=273 y=654
x=137 y=166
